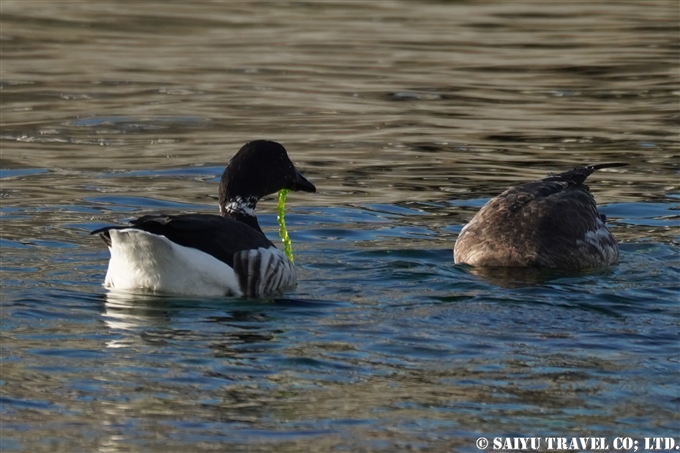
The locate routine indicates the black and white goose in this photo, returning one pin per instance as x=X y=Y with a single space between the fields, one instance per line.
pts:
x=211 y=255
x=549 y=223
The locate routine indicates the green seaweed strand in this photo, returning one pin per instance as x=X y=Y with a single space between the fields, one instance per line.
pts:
x=283 y=232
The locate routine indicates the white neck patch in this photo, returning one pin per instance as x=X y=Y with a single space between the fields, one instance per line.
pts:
x=243 y=206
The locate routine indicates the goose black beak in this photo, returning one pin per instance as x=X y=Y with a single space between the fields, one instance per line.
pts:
x=300 y=183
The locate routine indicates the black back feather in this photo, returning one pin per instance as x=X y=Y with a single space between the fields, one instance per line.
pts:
x=217 y=236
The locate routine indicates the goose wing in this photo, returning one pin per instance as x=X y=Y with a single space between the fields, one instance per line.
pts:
x=220 y=237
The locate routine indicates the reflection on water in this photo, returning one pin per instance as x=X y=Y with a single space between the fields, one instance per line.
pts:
x=407 y=116
x=522 y=277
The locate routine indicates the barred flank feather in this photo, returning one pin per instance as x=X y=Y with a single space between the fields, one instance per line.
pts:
x=263 y=271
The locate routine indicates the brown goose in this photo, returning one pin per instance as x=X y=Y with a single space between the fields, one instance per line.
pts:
x=549 y=223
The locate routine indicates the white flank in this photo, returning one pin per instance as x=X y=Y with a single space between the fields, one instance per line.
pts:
x=141 y=260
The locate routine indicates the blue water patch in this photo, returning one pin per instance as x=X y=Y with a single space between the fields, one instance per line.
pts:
x=51 y=244
x=394 y=210
x=213 y=172
x=5 y=243
x=19 y=172
x=650 y=214
x=474 y=203
x=9 y=404
x=130 y=204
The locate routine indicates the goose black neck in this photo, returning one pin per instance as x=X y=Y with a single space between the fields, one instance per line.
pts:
x=249 y=220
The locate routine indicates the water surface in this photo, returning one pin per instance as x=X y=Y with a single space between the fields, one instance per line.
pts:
x=408 y=117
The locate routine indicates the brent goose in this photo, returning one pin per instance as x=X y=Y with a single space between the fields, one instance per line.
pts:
x=549 y=223
x=211 y=255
